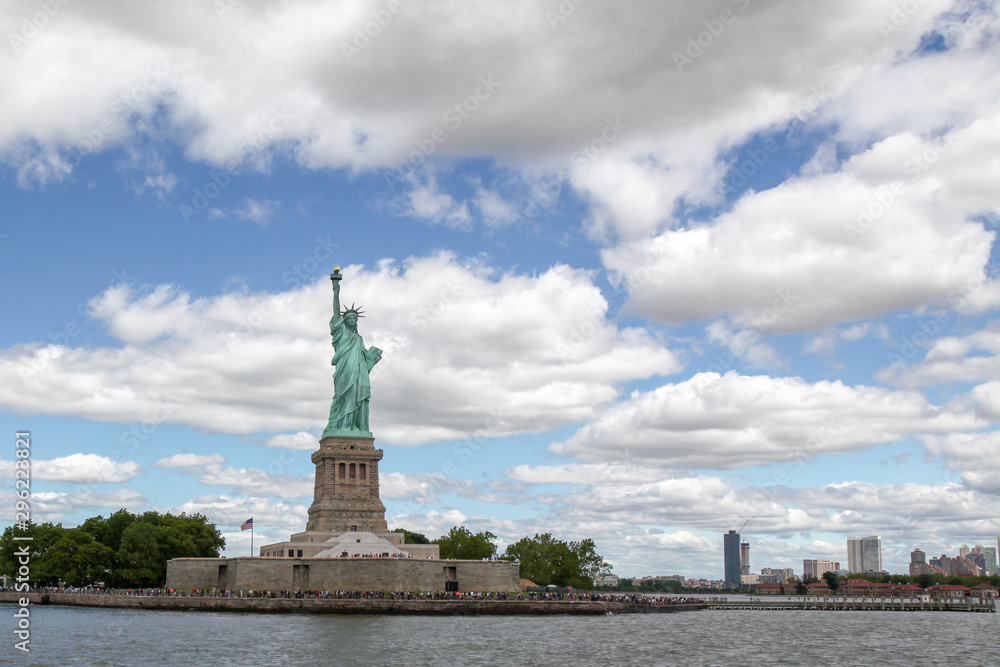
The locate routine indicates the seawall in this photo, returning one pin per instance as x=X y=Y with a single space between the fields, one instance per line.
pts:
x=348 y=606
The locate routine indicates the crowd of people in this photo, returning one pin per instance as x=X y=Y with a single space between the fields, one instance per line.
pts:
x=622 y=598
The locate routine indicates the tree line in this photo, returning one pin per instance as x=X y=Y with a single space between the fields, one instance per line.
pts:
x=834 y=580
x=128 y=550
x=543 y=559
x=124 y=550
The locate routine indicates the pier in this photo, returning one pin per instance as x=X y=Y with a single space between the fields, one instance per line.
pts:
x=852 y=603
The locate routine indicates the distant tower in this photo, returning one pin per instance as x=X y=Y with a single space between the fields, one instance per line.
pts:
x=853 y=554
x=918 y=557
x=864 y=554
x=871 y=554
x=731 y=551
x=744 y=558
x=963 y=551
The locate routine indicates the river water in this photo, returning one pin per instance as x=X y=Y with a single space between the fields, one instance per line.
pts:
x=98 y=637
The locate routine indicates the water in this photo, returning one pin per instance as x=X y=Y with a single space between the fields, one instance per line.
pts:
x=104 y=637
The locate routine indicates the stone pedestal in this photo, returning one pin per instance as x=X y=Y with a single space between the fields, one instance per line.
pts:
x=346 y=496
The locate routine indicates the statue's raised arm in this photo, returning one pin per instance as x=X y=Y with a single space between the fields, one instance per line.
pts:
x=351 y=382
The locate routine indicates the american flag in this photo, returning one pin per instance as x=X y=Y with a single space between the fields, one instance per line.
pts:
x=247 y=525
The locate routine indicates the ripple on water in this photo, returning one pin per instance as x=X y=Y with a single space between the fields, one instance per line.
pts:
x=108 y=637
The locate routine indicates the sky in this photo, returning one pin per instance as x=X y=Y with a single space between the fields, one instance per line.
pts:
x=642 y=272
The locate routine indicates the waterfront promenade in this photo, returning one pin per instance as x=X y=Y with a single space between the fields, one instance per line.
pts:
x=347 y=602
x=370 y=603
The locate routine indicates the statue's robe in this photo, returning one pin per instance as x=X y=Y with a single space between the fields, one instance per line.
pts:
x=351 y=382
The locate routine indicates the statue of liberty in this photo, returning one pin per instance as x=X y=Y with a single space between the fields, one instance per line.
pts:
x=351 y=382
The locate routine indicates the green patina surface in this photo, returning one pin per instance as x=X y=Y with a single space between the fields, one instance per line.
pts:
x=351 y=378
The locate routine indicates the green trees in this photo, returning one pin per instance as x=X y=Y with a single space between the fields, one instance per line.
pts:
x=79 y=559
x=832 y=580
x=801 y=585
x=460 y=542
x=412 y=538
x=44 y=571
x=546 y=560
x=543 y=559
x=124 y=550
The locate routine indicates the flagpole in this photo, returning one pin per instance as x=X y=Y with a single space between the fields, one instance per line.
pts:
x=251 y=540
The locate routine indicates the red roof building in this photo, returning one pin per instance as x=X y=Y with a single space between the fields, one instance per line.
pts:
x=907 y=590
x=948 y=591
x=865 y=587
x=984 y=591
x=772 y=589
x=818 y=588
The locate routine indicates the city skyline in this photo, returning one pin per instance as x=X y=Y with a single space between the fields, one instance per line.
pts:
x=639 y=275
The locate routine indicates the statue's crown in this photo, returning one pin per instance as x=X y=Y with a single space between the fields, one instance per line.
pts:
x=353 y=309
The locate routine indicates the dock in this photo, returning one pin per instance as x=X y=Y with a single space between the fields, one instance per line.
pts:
x=852 y=603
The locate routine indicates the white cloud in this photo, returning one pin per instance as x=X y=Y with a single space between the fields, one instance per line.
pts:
x=282 y=82
x=88 y=469
x=279 y=517
x=587 y=473
x=259 y=212
x=426 y=200
x=424 y=488
x=189 y=461
x=783 y=522
x=468 y=353
x=732 y=421
x=827 y=340
x=433 y=524
x=745 y=344
x=254 y=482
x=54 y=507
x=975 y=456
x=971 y=358
x=303 y=441
x=816 y=251
x=786 y=524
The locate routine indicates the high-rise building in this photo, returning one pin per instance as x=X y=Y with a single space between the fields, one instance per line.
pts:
x=957 y=567
x=816 y=568
x=731 y=552
x=988 y=558
x=925 y=568
x=864 y=554
x=979 y=559
x=963 y=551
x=771 y=575
x=744 y=558
x=853 y=554
x=918 y=556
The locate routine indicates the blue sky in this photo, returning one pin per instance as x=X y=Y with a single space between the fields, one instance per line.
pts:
x=642 y=271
